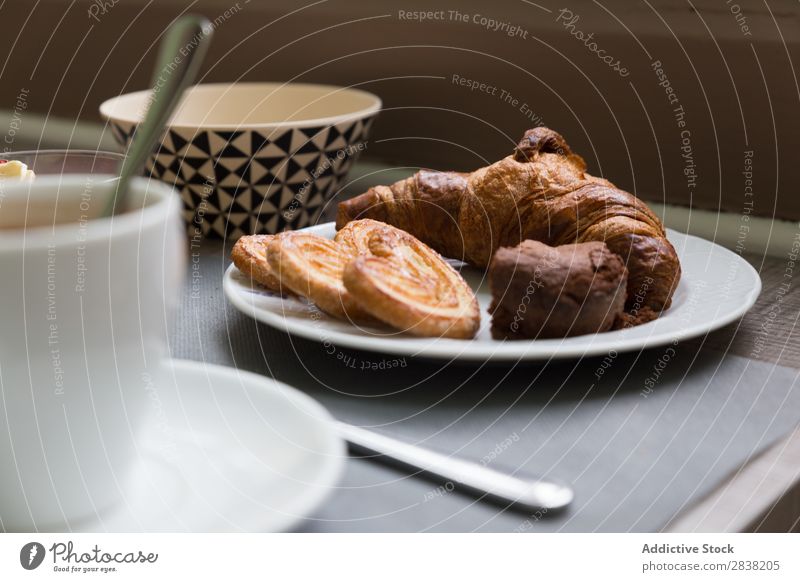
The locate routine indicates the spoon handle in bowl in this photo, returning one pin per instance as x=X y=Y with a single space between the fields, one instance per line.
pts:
x=179 y=57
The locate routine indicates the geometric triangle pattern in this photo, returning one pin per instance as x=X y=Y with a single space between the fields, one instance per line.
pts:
x=234 y=183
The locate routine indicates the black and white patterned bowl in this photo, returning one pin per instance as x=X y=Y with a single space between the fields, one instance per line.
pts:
x=253 y=158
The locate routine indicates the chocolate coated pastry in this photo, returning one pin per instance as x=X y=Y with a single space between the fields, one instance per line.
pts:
x=540 y=291
x=541 y=192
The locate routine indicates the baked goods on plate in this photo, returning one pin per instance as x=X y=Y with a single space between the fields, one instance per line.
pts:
x=370 y=273
x=416 y=254
x=541 y=192
x=717 y=286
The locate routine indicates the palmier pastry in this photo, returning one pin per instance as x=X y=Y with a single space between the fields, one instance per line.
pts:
x=249 y=254
x=312 y=266
x=406 y=284
x=540 y=192
x=356 y=235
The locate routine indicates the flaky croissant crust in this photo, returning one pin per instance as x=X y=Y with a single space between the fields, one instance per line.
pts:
x=540 y=192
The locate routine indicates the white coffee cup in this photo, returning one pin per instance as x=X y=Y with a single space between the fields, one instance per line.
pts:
x=84 y=306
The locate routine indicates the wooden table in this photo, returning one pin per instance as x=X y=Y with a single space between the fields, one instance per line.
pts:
x=764 y=495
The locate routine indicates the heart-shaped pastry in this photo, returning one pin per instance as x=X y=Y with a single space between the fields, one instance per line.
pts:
x=312 y=266
x=357 y=234
x=408 y=285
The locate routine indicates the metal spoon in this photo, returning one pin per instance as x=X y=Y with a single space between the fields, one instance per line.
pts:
x=524 y=495
x=179 y=57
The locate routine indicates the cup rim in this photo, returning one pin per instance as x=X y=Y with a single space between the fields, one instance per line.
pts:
x=69 y=151
x=107 y=106
x=97 y=229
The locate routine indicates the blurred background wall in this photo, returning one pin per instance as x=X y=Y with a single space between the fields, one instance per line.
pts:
x=668 y=98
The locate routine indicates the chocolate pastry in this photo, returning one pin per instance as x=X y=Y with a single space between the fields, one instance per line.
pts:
x=540 y=291
x=540 y=192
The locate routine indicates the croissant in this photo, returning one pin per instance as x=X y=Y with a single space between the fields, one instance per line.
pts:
x=540 y=192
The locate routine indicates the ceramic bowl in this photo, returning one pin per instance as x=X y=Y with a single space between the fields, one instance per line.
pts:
x=253 y=158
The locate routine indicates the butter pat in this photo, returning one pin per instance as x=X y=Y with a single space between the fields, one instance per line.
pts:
x=15 y=169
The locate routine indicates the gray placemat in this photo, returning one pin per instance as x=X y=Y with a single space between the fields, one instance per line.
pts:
x=639 y=436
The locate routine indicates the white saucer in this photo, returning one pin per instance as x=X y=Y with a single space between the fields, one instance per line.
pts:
x=716 y=288
x=227 y=450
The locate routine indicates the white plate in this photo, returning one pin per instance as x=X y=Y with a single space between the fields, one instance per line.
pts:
x=227 y=450
x=716 y=288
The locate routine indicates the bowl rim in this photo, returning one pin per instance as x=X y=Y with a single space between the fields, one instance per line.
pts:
x=107 y=105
